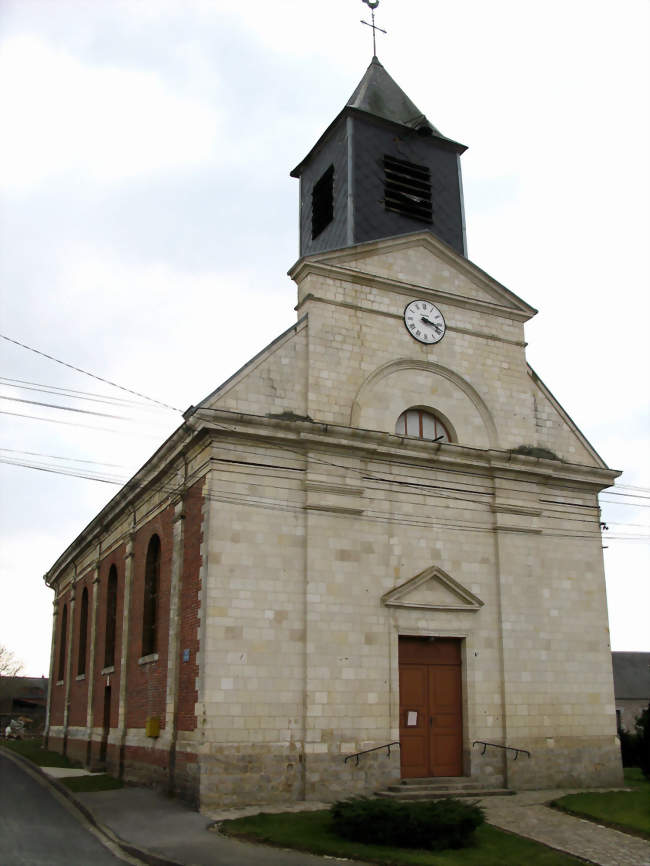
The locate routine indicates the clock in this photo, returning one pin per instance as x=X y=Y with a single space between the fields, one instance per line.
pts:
x=424 y=321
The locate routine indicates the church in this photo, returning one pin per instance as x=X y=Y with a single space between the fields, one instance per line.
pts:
x=373 y=554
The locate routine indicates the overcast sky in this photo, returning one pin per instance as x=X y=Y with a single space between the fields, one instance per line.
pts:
x=144 y=175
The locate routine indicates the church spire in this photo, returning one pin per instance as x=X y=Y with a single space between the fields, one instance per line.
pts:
x=378 y=94
x=380 y=169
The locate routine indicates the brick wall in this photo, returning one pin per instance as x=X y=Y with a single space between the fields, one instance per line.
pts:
x=57 y=705
x=79 y=687
x=116 y=558
x=147 y=683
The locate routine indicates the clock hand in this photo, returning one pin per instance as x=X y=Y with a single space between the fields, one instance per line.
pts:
x=429 y=322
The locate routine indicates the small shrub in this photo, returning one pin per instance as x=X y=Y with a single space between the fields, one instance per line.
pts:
x=629 y=748
x=642 y=726
x=433 y=825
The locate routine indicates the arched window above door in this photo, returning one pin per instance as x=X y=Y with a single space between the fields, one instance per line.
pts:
x=422 y=424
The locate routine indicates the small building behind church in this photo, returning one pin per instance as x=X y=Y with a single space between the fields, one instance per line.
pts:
x=379 y=538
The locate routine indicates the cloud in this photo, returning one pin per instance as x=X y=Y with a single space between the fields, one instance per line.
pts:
x=95 y=123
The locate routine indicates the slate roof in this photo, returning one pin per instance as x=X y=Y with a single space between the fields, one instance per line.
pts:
x=378 y=94
x=631 y=675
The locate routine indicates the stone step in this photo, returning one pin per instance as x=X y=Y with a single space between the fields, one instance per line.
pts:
x=395 y=792
x=404 y=789
x=440 y=781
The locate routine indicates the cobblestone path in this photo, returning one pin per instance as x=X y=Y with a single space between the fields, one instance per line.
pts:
x=526 y=815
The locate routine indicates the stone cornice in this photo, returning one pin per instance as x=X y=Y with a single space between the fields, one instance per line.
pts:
x=398 y=316
x=336 y=259
x=368 y=444
x=303 y=437
x=351 y=275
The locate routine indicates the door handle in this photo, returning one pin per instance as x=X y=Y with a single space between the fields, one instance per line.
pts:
x=430 y=721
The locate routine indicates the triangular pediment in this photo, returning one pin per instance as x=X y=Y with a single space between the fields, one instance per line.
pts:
x=417 y=261
x=432 y=589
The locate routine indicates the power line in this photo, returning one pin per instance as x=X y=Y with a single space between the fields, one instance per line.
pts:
x=84 y=396
x=60 y=457
x=65 y=408
x=62 y=471
x=80 y=426
x=86 y=373
x=380 y=516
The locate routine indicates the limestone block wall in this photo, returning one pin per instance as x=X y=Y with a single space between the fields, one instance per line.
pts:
x=552 y=430
x=358 y=330
x=252 y=656
x=273 y=381
x=300 y=666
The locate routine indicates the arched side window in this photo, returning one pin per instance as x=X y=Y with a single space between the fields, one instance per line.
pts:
x=111 y=618
x=83 y=633
x=151 y=589
x=63 y=637
x=422 y=424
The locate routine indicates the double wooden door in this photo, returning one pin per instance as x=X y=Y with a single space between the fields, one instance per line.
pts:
x=431 y=731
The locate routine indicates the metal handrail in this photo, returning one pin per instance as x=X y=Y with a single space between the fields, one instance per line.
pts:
x=385 y=746
x=498 y=746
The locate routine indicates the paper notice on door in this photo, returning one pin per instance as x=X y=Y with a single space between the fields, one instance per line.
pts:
x=411 y=719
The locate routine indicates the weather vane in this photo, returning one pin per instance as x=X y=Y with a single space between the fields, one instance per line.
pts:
x=373 y=5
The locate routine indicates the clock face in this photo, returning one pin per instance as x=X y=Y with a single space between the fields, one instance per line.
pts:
x=424 y=321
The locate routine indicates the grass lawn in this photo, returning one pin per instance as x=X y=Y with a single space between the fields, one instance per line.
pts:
x=311 y=831
x=625 y=810
x=31 y=749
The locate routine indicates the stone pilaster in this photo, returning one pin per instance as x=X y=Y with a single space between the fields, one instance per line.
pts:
x=168 y=739
x=48 y=709
x=68 y=663
x=90 y=711
x=124 y=653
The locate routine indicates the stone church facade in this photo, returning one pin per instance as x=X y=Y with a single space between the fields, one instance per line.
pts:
x=382 y=529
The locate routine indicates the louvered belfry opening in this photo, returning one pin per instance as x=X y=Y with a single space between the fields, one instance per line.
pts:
x=322 y=202
x=407 y=189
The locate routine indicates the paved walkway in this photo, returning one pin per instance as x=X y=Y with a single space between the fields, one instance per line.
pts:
x=525 y=815
x=162 y=827
x=160 y=830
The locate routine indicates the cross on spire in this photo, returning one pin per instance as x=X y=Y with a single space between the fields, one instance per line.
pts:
x=372 y=4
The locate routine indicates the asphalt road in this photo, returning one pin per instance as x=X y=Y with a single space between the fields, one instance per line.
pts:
x=36 y=829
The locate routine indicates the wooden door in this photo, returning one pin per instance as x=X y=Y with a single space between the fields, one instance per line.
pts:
x=430 y=707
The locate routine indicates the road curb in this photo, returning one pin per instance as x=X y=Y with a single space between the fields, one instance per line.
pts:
x=44 y=779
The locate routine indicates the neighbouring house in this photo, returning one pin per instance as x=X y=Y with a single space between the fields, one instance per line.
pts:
x=23 y=697
x=631 y=687
x=383 y=528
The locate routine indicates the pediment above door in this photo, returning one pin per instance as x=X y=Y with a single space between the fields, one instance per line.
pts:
x=432 y=589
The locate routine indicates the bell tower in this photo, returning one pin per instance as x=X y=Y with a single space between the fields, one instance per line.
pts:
x=380 y=169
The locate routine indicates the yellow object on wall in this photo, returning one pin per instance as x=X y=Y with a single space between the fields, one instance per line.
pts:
x=152 y=726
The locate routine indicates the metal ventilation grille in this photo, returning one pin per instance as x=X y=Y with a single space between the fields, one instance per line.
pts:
x=322 y=202
x=407 y=189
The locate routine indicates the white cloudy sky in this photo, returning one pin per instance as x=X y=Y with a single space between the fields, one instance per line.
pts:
x=144 y=167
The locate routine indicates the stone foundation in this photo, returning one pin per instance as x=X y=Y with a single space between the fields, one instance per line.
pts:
x=245 y=774
x=240 y=775
x=594 y=762
x=329 y=778
x=486 y=769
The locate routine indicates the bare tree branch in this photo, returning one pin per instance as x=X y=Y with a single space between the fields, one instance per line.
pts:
x=10 y=666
